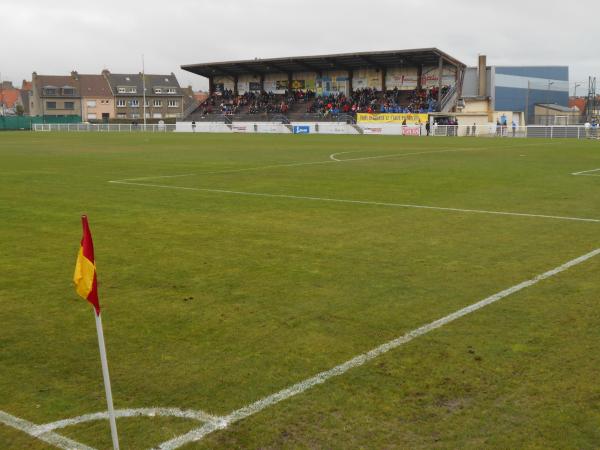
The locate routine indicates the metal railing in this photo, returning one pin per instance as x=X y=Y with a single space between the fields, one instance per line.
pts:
x=447 y=97
x=104 y=127
x=531 y=131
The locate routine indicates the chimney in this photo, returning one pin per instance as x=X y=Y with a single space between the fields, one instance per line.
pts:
x=482 y=75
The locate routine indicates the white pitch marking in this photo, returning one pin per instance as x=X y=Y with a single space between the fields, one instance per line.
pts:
x=199 y=416
x=296 y=164
x=40 y=433
x=398 y=155
x=360 y=202
x=331 y=159
x=159 y=176
x=320 y=378
x=333 y=156
x=586 y=172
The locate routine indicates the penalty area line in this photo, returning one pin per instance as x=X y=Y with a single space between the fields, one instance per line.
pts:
x=320 y=378
x=40 y=433
x=359 y=202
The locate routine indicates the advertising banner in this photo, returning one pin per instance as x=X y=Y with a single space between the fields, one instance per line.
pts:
x=254 y=86
x=301 y=129
x=411 y=119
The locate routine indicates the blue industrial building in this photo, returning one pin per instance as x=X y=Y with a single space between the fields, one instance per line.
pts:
x=517 y=89
x=521 y=88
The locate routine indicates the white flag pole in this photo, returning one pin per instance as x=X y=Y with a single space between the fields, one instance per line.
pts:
x=109 y=401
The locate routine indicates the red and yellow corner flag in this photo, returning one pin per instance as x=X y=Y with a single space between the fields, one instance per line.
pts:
x=85 y=268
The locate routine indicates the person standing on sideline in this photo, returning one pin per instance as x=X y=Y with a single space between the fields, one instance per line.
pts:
x=428 y=128
x=194 y=126
x=514 y=128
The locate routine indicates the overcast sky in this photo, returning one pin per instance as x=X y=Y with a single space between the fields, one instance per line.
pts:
x=55 y=37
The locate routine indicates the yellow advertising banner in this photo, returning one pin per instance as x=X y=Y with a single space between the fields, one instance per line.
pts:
x=411 y=119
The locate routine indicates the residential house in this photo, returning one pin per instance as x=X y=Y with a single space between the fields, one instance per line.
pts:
x=9 y=99
x=164 y=97
x=55 y=95
x=25 y=92
x=96 y=98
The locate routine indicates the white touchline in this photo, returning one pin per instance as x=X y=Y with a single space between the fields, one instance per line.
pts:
x=298 y=388
x=359 y=202
x=39 y=433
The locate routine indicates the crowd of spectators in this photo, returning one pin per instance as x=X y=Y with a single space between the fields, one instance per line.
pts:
x=373 y=101
x=227 y=103
x=360 y=101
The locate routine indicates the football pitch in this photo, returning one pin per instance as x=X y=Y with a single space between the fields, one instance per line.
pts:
x=281 y=291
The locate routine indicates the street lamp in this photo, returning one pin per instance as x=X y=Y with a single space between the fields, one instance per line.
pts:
x=550 y=83
x=576 y=86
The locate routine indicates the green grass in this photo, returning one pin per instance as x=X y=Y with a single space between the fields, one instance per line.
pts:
x=213 y=300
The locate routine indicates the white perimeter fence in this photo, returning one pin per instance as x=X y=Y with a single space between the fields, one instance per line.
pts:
x=108 y=127
x=491 y=130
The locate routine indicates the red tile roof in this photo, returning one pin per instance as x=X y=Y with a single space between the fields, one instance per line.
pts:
x=9 y=97
x=580 y=102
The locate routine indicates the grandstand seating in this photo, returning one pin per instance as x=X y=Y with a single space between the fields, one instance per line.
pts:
x=307 y=103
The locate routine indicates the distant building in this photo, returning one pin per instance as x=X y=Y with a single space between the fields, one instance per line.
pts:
x=55 y=95
x=512 y=91
x=164 y=97
x=96 y=98
x=9 y=99
x=25 y=93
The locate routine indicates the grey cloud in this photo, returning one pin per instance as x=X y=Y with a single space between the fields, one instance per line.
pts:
x=57 y=37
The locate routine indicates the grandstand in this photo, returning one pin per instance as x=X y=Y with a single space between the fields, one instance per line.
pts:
x=330 y=87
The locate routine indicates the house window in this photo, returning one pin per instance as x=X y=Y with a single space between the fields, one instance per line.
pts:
x=121 y=90
x=157 y=116
x=91 y=103
x=68 y=91
x=135 y=116
x=121 y=116
x=121 y=103
x=50 y=91
x=147 y=103
x=173 y=104
x=69 y=105
x=158 y=90
x=50 y=105
x=91 y=116
x=135 y=103
x=172 y=91
x=158 y=103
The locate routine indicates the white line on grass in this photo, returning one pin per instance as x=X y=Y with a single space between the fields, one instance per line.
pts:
x=586 y=172
x=359 y=202
x=332 y=158
x=297 y=164
x=40 y=433
x=199 y=416
x=298 y=388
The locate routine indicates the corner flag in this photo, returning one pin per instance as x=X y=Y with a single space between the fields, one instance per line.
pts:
x=86 y=286
x=85 y=268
